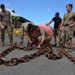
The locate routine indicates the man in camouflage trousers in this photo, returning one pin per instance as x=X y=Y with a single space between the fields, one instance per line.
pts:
x=67 y=28
x=25 y=33
x=6 y=24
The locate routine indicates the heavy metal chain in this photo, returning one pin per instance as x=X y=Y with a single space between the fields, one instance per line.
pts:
x=46 y=51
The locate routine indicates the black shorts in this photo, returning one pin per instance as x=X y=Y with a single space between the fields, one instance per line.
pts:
x=55 y=31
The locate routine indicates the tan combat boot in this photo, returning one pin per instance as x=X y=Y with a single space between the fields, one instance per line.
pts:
x=67 y=49
x=11 y=43
x=60 y=50
x=3 y=43
x=21 y=46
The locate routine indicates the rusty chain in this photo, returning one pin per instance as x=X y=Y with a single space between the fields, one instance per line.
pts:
x=47 y=52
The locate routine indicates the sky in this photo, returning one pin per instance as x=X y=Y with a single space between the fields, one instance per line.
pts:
x=38 y=11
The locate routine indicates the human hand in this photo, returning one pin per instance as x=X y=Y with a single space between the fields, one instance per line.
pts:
x=30 y=42
x=60 y=29
x=70 y=25
x=47 y=24
x=2 y=26
x=39 y=46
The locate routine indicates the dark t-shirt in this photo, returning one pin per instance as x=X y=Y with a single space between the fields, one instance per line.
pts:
x=57 y=21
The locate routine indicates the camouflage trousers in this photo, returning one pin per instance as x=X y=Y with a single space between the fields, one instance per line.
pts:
x=66 y=36
x=22 y=35
x=9 y=31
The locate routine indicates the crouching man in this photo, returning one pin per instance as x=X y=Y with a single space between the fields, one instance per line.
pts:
x=40 y=35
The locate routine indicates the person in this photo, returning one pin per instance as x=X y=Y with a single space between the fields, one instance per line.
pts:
x=24 y=32
x=6 y=24
x=57 y=21
x=66 y=27
x=39 y=36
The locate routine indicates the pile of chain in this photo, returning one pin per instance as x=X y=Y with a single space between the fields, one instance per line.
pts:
x=42 y=51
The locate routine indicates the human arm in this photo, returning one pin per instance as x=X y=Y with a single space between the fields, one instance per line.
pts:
x=62 y=23
x=72 y=24
x=1 y=23
x=28 y=37
x=42 y=39
x=11 y=20
x=49 y=22
x=60 y=28
x=53 y=19
x=74 y=20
